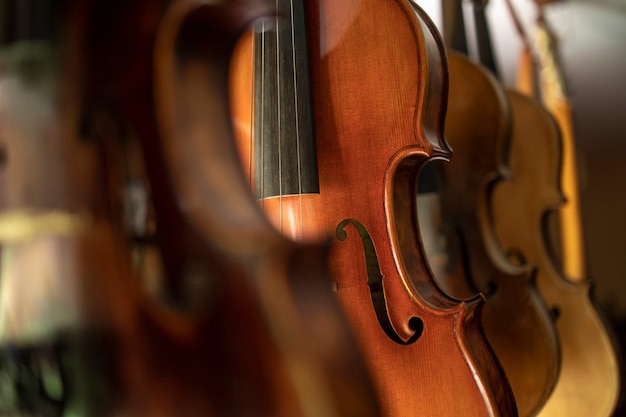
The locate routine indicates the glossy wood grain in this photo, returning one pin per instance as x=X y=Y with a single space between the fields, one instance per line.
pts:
x=379 y=82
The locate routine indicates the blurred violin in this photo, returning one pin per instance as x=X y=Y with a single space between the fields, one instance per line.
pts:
x=478 y=126
x=588 y=383
x=259 y=332
x=552 y=93
x=336 y=151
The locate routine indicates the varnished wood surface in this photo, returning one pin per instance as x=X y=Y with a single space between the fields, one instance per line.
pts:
x=517 y=321
x=261 y=342
x=376 y=124
x=588 y=380
x=293 y=298
x=554 y=97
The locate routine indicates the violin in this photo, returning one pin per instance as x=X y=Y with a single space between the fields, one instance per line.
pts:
x=262 y=334
x=553 y=95
x=517 y=322
x=339 y=157
x=588 y=383
x=585 y=348
x=478 y=126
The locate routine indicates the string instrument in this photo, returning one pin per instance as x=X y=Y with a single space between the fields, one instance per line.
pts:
x=589 y=381
x=478 y=127
x=553 y=96
x=262 y=334
x=371 y=108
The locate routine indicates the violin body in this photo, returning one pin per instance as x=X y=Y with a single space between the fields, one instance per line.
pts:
x=517 y=322
x=379 y=89
x=261 y=333
x=589 y=371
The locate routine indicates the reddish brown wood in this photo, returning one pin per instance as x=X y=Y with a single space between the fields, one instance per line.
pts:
x=379 y=81
x=517 y=321
x=267 y=338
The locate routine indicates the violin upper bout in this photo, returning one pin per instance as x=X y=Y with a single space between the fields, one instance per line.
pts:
x=431 y=112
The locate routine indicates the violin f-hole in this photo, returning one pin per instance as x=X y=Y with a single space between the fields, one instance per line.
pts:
x=375 y=284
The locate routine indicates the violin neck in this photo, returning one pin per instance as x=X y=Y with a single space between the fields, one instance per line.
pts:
x=284 y=142
x=454 y=32
x=484 y=46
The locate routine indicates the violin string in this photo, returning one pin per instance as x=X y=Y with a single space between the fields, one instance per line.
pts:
x=262 y=147
x=251 y=112
x=280 y=166
x=295 y=97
